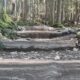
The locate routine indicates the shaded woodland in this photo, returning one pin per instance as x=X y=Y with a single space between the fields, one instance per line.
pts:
x=39 y=39
x=50 y=12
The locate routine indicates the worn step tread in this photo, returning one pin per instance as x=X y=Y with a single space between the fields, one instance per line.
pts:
x=32 y=44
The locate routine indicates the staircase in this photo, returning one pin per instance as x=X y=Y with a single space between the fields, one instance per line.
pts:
x=39 y=67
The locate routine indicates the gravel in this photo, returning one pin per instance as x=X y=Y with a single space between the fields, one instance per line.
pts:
x=45 y=55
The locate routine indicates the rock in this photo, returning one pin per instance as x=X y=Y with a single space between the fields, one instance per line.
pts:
x=21 y=39
x=78 y=34
x=43 y=27
x=57 y=57
x=13 y=54
x=75 y=49
x=21 y=28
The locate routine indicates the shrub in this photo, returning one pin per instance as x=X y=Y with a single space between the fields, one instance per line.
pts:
x=9 y=33
x=6 y=23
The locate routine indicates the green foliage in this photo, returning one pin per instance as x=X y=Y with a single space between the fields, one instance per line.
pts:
x=9 y=33
x=3 y=24
x=55 y=25
x=6 y=18
x=7 y=25
x=58 y=25
x=26 y=23
x=22 y=23
x=6 y=21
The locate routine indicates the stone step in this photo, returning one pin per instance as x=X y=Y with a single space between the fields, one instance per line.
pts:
x=37 y=44
x=42 y=34
x=39 y=70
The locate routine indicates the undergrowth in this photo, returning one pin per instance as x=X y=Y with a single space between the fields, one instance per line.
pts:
x=7 y=25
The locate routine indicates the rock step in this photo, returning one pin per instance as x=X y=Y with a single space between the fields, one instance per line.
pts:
x=42 y=34
x=39 y=70
x=44 y=45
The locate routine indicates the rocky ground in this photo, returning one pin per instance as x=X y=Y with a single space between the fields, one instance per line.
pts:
x=73 y=54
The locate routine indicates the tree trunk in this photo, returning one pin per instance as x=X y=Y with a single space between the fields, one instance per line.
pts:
x=59 y=10
x=5 y=4
x=26 y=9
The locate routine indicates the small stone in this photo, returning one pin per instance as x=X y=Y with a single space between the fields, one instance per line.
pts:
x=75 y=49
x=13 y=54
x=57 y=57
x=78 y=34
x=23 y=53
x=21 y=39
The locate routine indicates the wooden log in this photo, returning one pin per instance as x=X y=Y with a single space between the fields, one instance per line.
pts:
x=44 y=45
